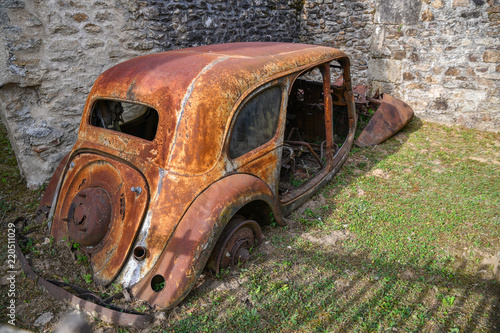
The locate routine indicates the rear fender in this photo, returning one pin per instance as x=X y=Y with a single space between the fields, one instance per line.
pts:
x=42 y=212
x=188 y=249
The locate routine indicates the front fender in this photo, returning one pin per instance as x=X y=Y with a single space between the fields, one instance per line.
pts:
x=190 y=245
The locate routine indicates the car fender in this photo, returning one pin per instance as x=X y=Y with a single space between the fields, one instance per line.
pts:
x=190 y=245
x=42 y=212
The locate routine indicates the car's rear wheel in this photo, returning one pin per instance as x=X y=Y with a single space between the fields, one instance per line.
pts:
x=234 y=244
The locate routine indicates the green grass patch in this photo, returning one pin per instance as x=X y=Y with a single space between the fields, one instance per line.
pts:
x=400 y=240
x=398 y=245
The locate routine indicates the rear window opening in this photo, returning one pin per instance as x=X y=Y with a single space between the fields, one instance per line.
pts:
x=130 y=118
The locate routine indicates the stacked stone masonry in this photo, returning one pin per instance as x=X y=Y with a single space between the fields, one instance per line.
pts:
x=440 y=56
x=443 y=61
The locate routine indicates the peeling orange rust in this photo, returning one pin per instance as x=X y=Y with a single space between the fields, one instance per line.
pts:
x=148 y=198
x=391 y=116
x=99 y=211
x=189 y=248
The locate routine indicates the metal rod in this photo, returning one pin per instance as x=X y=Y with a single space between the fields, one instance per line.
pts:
x=303 y=143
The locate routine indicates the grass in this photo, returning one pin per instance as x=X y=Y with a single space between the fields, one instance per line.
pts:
x=418 y=215
x=429 y=200
x=401 y=240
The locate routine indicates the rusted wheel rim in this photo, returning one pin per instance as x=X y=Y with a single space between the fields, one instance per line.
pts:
x=89 y=216
x=234 y=244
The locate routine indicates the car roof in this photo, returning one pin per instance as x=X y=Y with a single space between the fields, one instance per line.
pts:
x=195 y=90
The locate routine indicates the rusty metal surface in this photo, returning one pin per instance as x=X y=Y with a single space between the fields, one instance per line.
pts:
x=184 y=85
x=308 y=145
x=391 y=116
x=190 y=246
x=334 y=157
x=360 y=93
x=98 y=210
x=146 y=208
x=105 y=312
x=89 y=216
x=45 y=204
x=169 y=206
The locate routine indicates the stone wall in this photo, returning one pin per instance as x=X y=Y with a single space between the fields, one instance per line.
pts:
x=176 y=24
x=440 y=56
x=52 y=51
x=346 y=25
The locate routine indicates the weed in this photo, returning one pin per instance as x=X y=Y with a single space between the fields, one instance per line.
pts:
x=296 y=182
x=82 y=259
x=5 y=206
x=273 y=219
x=447 y=301
x=315 y=222
x=158 y=286
x=362 y=164
x=141 y=308
x=27 y=246
x=118 y=288
x=88 y=278
x=309 y=212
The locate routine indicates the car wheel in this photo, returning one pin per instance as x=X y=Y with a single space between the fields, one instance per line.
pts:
x=234 y=244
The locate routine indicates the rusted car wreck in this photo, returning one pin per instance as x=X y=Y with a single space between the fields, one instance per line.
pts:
x=182 y=156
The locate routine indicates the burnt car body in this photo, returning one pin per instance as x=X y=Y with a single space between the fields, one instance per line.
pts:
x=182 y=155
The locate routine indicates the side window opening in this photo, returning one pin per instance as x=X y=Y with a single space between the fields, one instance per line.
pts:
x=256 y=123
x=304 y=150
x=130 y=118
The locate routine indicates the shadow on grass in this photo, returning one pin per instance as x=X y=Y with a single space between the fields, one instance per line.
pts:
x=371 y=156
x=402 y=136
x=331 y=292
x=336 y=290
